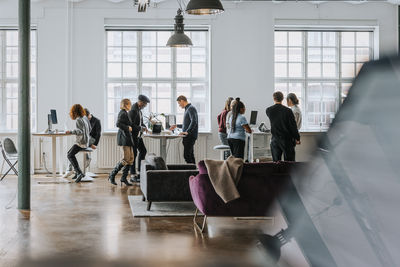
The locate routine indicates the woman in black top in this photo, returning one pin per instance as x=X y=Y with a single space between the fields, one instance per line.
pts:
x=124 y=139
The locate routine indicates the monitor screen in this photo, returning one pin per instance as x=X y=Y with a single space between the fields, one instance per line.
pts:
x=53 y=114
x=253 y=117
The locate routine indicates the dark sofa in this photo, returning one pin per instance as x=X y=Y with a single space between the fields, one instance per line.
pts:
x=166 y=183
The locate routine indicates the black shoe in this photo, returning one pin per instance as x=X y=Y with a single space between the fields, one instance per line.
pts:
x=135 y=179
x=114 y=172
x=125 y=172
x=79 y=177
x=76 y=175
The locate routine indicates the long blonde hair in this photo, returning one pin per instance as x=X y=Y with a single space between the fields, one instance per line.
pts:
x=125 y=103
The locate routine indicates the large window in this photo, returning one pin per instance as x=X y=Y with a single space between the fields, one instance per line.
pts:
x=319 y=67
x=138 y=62
x=9 y=80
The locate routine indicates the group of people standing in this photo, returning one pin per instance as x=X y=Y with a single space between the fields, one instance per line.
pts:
x=285 y=123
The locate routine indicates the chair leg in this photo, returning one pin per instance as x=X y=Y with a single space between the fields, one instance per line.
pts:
x=4 y=175
x=11 y=168
x=12 y=165
x=148 y=205
x=201 y=229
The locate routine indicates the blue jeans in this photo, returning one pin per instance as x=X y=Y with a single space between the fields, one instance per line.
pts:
x=223 y=137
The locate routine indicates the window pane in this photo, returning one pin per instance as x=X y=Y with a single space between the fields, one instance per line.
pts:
x=164 y=54
x=314 y=70
x=149 y=55
x=348 y=39
x=183 y=89
x=280 y=38
x=12 y=70
x=149 y=70
x=164 y=106
x=12 y=54
x=348 y=70
x=198 y=70
x=295 y=54
x=295 y=70
x=114 y=38
x=348 y=55
x=164 y=70
x=164 y=90
x=362 y=54
x=130 y=91
x=329 y=54
x=183 y=54
x=114 y=90
x=114 y=70
x=363 y=39
x=130 y=38
x=314 y=54
x=329 y=38
x=295 y=39
x=198 y=39
x=198 y=54
x=280 y=70
x=129 y=55
x=149 y=38
x=345 y=89
x=114 y=54
x=12 y=38
x=183 y=70
x=329 y=70
x=282 y=87
x=162 y=38
x=281 y=54
x=314 y=39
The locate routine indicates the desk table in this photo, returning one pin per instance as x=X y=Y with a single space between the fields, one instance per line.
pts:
x=163 y=141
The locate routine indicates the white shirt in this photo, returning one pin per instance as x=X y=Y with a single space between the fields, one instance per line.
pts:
x=297 y=115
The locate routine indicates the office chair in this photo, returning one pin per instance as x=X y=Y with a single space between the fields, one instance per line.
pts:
x=10 y=154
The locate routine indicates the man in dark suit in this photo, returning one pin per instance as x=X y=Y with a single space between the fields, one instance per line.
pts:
x=138 y=127
x=284 y=131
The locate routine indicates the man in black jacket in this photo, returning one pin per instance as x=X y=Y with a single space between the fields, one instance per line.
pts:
x=138 y=127
x=190 y=128
x=284 y=131
x=95 y=133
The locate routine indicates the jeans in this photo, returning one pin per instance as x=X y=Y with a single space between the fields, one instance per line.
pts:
x=188 y=149
x=223 y=137
x=138 y=147
x=285 y=147
x=75 y=149
x=237 y=147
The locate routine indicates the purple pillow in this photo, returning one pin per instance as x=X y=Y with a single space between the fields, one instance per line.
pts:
x=202 y=167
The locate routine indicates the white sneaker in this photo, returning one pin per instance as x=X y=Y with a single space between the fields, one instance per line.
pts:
x=87 y=179
x=68 y=174
x=91 y=174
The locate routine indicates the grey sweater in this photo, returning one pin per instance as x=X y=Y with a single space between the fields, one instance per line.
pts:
x=82 y=132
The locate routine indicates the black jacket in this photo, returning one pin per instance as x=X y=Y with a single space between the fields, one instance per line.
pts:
x=124 y=136
x=96 y=129
x=283 y=124
x=136 y=116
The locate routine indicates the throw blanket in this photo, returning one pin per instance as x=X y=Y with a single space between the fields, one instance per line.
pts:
x=224 y=176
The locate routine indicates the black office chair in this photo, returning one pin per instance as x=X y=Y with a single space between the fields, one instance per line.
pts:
x=10 y=154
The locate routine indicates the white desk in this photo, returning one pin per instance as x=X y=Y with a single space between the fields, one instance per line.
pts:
x=54 y=152
x=163 y=141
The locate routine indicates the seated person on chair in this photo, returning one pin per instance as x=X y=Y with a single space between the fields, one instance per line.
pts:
x=95 y=133
x=82 y=138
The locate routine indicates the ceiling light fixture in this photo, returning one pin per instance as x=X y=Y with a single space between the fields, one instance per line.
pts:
x=204 y=7
x=179 y=38
x=142 y=5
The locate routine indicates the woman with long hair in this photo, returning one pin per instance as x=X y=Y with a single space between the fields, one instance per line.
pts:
x=239 y=127
x=222 y=133
x=125 y=140
x=293 y=104
x=82 y=133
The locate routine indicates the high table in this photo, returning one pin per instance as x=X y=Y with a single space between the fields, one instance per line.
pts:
x=163 y=141
x=54 y=137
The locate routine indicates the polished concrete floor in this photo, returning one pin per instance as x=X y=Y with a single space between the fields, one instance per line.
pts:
x=91 y=224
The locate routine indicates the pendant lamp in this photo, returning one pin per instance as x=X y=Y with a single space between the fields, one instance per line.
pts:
x=204 y=7
x=179 y=38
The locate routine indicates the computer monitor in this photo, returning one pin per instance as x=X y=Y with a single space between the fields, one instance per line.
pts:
x=253 y=117
x=169 y=121
x=53 y=114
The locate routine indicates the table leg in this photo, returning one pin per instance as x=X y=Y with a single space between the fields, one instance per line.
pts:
x=54 y=150
x=61 y=156
x=163 y=148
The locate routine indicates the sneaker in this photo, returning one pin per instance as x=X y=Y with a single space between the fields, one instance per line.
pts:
x=74 y=177
x=135 y=179
x=68 y=174
x=79 y=177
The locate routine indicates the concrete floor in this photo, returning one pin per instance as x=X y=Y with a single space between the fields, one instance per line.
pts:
x=91 y=224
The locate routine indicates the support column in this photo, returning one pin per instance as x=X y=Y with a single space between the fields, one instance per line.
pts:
x=24 y=106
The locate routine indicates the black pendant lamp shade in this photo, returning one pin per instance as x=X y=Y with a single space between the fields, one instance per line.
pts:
x=179 y=38
x=204 y=7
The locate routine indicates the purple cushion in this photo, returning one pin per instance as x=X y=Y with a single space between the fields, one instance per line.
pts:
x=202 y=167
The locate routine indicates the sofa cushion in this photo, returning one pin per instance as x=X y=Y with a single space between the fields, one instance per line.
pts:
x=202 y=167
x=156 y=163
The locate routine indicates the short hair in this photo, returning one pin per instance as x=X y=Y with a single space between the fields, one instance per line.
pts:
x=278 y=96
x=181 y=97
x=293 y=98
x=124 y=103
x=87 y=112
x=76 y=111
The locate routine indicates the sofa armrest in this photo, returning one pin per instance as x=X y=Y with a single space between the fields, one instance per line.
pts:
x=163 y=185
x=181 y=166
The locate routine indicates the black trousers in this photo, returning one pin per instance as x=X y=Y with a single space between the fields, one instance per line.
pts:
x=75 y=149
x=237 y=147
x=188 y=149
x=285 y=147
x=138 y=147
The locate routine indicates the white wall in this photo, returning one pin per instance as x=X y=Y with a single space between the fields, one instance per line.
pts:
x=241 y=45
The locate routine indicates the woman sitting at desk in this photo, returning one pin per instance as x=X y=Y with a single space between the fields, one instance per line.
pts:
x=239 y=127
x=82 y=132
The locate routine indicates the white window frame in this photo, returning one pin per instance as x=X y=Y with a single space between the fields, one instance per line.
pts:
x=338 y=80
x=4 y=80
x=174 y=80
